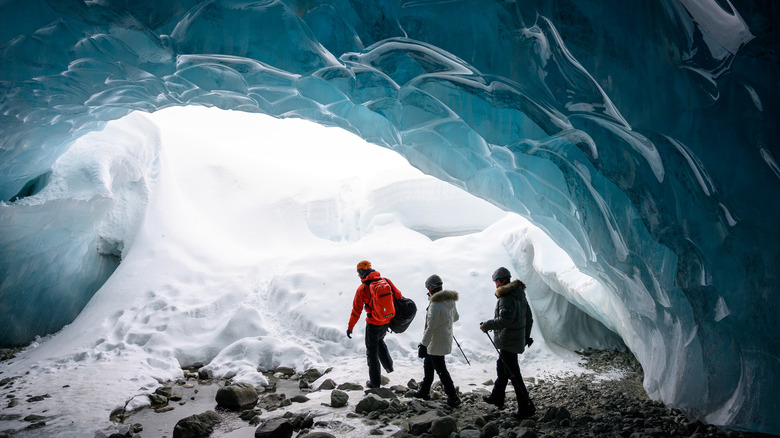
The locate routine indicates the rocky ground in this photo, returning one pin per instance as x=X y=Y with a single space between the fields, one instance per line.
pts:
x=610 y=403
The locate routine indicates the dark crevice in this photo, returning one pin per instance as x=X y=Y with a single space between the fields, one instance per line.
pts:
x=32 y=187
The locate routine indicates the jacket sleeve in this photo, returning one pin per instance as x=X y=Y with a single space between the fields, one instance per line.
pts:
x=506 y=313
x=455 y=315
x=396 y=293
x=357 y=307
x=529 y=319
x=436 y=320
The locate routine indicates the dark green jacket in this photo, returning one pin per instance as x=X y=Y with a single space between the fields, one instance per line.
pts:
x=513 y=321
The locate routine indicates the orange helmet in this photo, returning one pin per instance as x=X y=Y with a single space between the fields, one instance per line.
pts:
x=363 y=265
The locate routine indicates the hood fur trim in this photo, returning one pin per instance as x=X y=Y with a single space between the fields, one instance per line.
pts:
x=443 y=295
x=510 y=287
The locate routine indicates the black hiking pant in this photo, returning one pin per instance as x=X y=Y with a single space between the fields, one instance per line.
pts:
x=376 y=352
x=436 y=363
x=507 y=359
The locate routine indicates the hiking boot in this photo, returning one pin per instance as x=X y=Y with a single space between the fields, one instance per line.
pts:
x=453 y=401
x=490 y=400
x=370 y=385
x=389 y=370
x=527 y=412
x=421 y=394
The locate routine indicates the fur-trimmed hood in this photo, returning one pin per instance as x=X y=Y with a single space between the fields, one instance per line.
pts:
x=443 y=295
x=513 y=287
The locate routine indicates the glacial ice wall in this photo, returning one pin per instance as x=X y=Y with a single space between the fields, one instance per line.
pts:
x=641 y=137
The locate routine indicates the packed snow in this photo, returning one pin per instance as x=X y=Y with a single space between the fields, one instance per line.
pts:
x=238 y=236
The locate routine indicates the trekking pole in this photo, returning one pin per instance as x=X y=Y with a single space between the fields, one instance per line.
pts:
x=461 y=350
x=509 y=370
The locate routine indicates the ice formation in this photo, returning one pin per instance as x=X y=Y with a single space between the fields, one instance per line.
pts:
x=641 y=138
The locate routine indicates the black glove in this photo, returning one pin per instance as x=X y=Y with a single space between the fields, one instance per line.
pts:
x=349 y=333
x=422 y=351
x=528 y=341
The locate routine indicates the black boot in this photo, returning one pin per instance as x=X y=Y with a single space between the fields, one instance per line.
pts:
x=490 y=400
x=453 y=401
x=425 y=395
x=526 y=412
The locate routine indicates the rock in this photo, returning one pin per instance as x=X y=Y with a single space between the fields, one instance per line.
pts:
x=248 y=415
x=371 y=403
x=420 y=424
x=165 y=391
x=350 y=387
x=237 y=396
x=276 y=428
x=490 y=430
x=273 y=401
x=412 y=384
x=204 y=374
x=523 y=432
x=338 y=399
x=316 y=435
x=285 y=371
x=300 y=398
x=157 y=400
x=299 y=421
x=311 y=375
x=197 y=426
x=563 y=414
x=382 y=392
x=327 y=384
x=443 y=427
x=470 y=433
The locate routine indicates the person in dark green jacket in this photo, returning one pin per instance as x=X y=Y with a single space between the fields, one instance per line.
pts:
x=512 y=327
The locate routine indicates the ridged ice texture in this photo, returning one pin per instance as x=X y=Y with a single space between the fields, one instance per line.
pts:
x=641 y=137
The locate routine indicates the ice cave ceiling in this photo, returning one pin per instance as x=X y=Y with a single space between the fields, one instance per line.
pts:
x=642 y=136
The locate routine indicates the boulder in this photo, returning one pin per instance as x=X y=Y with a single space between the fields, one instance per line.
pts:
x=287 y=371
x=371 y=403
x=327 y=384
x=349 y=387
x=311 y=375
x=197 y=426
x=382 y=392
x=443 y=427
x=420 y=424
x=338 y=399
x=470 y=433
x=490 y=430
x=236 y=397
x=300 y=398
x=276 y=428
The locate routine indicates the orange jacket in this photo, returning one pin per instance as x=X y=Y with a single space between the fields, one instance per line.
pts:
x=362 y=299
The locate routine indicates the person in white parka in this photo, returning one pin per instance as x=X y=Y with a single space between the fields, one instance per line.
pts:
x=437 y=339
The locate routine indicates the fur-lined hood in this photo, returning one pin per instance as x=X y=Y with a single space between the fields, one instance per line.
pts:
x=443 y=295
x=515 y=287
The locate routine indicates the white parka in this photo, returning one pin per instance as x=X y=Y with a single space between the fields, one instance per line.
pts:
x=439 y=317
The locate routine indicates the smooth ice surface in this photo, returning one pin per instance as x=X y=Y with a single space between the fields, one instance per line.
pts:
x=244 y=260
x=642 y=138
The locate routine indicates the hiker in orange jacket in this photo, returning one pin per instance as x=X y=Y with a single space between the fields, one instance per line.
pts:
x=376 y=323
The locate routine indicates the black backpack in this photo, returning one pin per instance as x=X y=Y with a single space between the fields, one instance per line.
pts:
x=405 y=311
